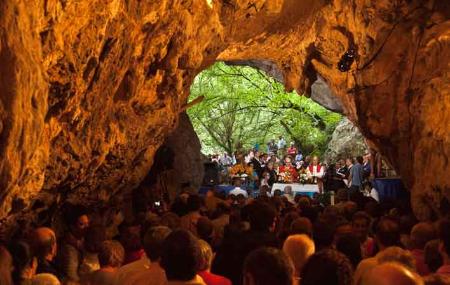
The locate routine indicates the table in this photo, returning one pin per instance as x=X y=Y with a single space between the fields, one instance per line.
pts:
x=297 y=188
x=389 y=188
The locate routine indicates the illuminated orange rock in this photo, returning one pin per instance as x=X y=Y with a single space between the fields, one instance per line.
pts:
x=89 y=89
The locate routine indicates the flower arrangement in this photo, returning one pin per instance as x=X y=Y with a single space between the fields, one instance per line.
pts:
x=241 y=170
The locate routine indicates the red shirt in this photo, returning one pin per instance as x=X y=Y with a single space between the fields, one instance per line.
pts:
x=213 y=279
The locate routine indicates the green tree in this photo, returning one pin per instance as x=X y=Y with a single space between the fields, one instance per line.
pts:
x=243 y=106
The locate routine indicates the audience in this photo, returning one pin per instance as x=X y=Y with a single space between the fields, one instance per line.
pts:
x=268 y=266
x=240 y=241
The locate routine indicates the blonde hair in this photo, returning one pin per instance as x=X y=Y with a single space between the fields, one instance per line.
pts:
x=299 y=248
x=206 y=255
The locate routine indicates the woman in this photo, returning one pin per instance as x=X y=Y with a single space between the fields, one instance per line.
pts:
x=273 y=174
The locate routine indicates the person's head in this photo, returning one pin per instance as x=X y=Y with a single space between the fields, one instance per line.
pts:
x=343 y=228
x=44 y=243
x=432 y=257
x=299 y=248
x=349 y=245
x=95 y=236
x=77 y=220
x=323 y=234
x=390 y=273
x=204 y=228
x=399 y=255
x=422 y=233
x=111 y=254
x=264 y=190
x=436 y=279
x=237 y=182
x=261 y=216
x=170 y=220
x=180 y=256
x=315 y=160
x=270 y=165
x=24 y=261
x=387 y=233
x=288 y=190
x=6 y=267
x=268 y=266
x=153 y=241
x=359 y=159
x=342 y=195
x=349 y=161
x=360 y=225
x=194 y=203
x=444 y=238
x=45 y=279
x=327 y=267
x=206 y=255
x=301 y=225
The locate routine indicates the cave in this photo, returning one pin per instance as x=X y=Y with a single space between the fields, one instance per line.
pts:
x=89 y=90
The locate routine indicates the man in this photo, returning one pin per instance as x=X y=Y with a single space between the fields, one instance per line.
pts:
x=180 y=256
x=356 y=176
x=45 y=247
x=390 y=273
x=148 y=270
x=299 y=248
x=268 y=266
x=315 y=172
x=189 y=221
x=204 y=271
x=110 y=257
x=292 y=150
x=238 y=190
x=444 y=247
x=255 y=160
x=421 y=233
x=360 y=225
x=367 y=168
x=281 y=145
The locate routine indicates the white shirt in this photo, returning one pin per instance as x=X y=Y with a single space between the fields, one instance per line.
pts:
x=236 y=191
x=315 y=172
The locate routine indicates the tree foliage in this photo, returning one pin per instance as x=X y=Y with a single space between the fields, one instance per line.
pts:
x=243 y=106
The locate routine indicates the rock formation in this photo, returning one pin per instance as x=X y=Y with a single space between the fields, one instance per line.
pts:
x=346 y=141
x=89 y=89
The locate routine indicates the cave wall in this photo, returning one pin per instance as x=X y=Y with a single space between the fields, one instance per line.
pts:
x=89 y=89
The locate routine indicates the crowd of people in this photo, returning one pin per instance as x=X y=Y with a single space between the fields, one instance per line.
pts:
x=222 y=240
x=284 y=164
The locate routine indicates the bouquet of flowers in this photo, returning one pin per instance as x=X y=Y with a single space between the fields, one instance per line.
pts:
x=240 y=170
x=286 y=174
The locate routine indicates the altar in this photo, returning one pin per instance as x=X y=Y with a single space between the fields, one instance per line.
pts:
x=297 y=188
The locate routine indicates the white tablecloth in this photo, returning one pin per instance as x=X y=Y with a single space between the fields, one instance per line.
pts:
x=296 y=188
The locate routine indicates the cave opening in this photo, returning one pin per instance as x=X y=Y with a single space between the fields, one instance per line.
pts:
x=239 y=107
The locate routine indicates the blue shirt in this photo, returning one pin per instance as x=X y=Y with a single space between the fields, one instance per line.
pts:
x=357 y=174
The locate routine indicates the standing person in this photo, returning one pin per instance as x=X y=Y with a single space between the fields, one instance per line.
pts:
x=367 y=169
x=315 y=171
x=281 y=145
x=299 y=156
x=273 y=174
x=256 y=163
x=292 y=150
x=45 y=246
x=24 y=263
x=70 y=252
x=356 y=175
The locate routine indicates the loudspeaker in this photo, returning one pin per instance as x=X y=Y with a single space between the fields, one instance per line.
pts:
x=211 y=176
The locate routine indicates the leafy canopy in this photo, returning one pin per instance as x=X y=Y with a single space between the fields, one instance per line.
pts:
x=243 y=106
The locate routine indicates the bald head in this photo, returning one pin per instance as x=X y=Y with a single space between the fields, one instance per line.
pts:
x=390 y=273
x=44 y=243
x=422 y=233
x=45 y=279
x=299 y=248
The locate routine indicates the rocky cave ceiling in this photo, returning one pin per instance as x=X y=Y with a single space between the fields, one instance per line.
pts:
x=89 y=89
